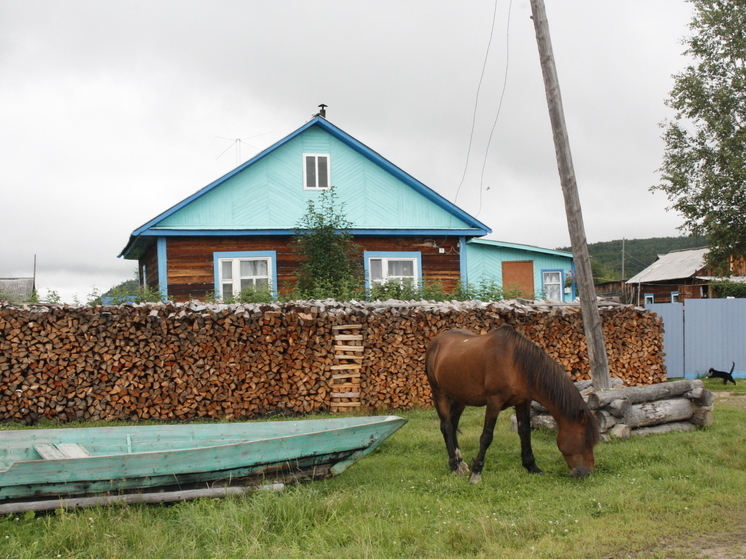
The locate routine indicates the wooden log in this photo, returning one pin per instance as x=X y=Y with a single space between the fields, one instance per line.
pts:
x=620 y=431
x=671 y=427
x=703 y=417
x=135 y=498
x=701 y=396
x=659 y=411
x=543 y=421
x=639 y=394
x=618 y=408
x=605 y=420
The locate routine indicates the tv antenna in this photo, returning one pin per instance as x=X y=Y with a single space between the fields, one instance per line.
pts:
x=237 y=143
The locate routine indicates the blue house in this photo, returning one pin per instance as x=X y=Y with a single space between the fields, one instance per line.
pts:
x=236 y=232
x=533 y=272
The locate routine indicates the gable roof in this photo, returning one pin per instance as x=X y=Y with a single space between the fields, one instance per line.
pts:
x=442 y=217
x=676 y=264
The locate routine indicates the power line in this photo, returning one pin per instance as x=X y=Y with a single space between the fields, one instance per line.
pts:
x=476 y=102
x=499 y=106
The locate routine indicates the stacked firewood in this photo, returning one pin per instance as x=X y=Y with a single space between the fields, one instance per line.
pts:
x=184 y=361
x=626 y=411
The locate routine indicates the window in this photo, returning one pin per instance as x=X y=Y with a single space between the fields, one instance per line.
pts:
x=674 y=296
x=552 y=283
x=385 y=267
x=236 y=272
x=649 y=298
x=316 y=175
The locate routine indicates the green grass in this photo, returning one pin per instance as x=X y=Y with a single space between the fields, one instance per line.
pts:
x=402 y=502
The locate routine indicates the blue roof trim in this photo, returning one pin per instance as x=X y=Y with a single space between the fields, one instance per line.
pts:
x=265 y=232
x=516 y=246
x=480 y=228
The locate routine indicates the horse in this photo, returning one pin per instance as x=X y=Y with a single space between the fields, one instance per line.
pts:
x=502 y=369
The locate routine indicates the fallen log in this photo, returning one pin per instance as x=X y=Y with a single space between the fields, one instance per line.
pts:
x=659 y=411
x=639 y=394
x=135 y=498
x=672 y=427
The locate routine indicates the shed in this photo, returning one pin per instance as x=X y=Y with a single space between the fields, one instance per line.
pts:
x=673 y=277
x=17 y=289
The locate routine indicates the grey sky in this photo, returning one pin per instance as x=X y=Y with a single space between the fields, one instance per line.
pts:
x=111 y=112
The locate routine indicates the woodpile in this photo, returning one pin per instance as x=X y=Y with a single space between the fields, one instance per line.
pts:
x=626 y=411
x=191 y=360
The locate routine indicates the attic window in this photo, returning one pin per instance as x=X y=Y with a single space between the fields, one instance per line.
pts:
x=316 y=171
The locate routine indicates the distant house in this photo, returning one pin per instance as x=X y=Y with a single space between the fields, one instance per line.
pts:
x=236 y=232
x=17 y=289
x=678 y=275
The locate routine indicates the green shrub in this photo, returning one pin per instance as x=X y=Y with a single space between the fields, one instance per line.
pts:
x=726 y=288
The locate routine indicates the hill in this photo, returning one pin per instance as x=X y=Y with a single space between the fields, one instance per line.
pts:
x=607 y=258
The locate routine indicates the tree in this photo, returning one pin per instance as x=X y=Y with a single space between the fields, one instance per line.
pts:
x=704 y=163
x=330 y=260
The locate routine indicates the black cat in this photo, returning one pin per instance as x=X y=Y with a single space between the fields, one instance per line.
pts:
x=723 y=375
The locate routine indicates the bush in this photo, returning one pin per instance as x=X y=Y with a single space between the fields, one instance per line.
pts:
x=726 y=288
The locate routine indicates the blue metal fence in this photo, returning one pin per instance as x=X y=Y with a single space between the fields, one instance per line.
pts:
x=703 y=333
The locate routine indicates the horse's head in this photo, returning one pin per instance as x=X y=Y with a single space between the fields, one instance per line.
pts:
x=575 y=440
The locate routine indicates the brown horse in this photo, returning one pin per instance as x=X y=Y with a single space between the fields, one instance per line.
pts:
x=498 y=370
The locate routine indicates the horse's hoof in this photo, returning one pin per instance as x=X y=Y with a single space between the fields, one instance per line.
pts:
x=475 y=478
x=461 y=470
x=535 y=470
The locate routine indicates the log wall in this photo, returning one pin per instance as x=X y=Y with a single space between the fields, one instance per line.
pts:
x=191 y=270
x=186 y=361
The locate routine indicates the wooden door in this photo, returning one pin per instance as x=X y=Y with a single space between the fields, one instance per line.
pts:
x=518 y=275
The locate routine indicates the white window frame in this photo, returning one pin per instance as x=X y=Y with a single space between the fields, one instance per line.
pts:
x=649 y=299
x=386 y=258
x=545 y=283
x=235 y=258
x=316 y=157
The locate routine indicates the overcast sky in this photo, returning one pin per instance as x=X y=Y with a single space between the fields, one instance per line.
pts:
x=111 y=112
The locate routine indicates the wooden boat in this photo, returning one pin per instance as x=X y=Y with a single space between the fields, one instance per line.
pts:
x=63 y=463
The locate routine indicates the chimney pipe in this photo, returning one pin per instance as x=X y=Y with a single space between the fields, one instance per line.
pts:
x=322 y=110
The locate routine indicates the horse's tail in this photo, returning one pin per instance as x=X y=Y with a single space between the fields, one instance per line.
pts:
x=430 y=356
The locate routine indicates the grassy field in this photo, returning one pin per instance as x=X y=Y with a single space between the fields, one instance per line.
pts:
x=659 y=496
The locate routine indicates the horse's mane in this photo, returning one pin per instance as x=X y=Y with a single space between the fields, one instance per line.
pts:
x=547 y=378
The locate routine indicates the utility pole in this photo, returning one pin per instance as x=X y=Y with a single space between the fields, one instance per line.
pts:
x=588 y=304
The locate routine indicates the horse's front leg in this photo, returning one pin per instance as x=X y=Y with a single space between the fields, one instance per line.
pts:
x=485 y=440
x=523 y=415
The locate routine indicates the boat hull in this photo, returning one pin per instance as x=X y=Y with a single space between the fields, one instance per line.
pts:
x=135 y=458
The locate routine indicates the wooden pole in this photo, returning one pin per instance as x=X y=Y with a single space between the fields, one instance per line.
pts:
x=588 y=305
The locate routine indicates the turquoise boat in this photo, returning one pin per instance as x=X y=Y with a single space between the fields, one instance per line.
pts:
x=62 y=463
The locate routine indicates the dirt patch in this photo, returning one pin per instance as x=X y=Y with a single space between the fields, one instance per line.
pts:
x=731 y=399
x=728 y=544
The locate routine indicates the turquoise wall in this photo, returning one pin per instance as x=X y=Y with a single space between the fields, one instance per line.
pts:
x=484 y=263
x=269 y=194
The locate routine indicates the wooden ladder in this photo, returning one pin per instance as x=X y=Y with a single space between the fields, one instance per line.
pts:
x=348 y=352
